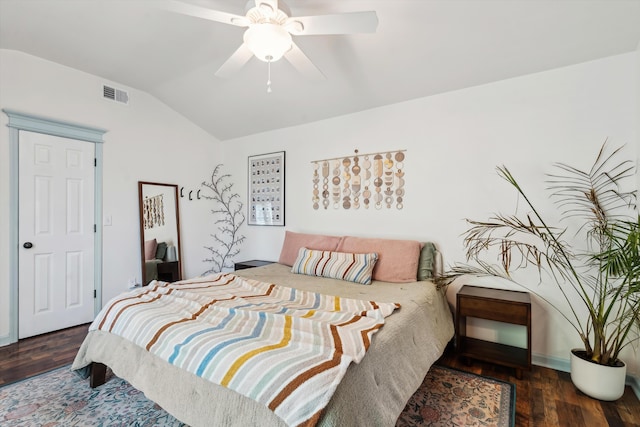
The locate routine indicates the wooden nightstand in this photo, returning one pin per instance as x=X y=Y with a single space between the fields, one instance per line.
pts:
x=169 y=271
x=250 y=264
x=499 y=305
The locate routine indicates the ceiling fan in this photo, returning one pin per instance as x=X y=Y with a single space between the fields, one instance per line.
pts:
x=270 y=27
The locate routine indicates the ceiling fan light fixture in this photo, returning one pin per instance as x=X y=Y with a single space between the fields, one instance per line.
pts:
x=268 y=42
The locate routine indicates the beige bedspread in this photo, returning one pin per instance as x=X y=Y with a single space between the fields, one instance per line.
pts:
x=371 y=393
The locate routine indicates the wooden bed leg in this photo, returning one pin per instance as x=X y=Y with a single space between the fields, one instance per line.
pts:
x=98 y=374
x=518 y=373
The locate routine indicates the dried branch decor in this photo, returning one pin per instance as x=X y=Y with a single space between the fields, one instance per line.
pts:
x=230 y=217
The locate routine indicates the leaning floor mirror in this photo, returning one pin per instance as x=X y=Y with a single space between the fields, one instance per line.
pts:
x=159 y=232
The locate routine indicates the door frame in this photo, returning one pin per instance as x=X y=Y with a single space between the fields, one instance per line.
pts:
x=19 y=121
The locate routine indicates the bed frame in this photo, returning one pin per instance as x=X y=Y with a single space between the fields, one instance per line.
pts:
x=422 y=328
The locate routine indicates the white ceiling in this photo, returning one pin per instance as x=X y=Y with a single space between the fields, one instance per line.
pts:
x=421 y=48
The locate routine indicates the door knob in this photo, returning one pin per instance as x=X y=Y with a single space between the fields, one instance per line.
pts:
x=27 y=245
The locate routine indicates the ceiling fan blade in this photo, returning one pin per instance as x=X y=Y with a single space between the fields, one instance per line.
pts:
x=343 y=23
x=235 y=62
x=205 y=13
x=299 y=60
x=271 y=4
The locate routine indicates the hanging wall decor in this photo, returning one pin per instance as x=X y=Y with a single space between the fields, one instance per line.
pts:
x=228 y=216
x=266 y=189
x=369 y=180
x=153 y=212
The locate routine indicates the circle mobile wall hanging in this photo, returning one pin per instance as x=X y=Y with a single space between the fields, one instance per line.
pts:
x=367 y=180
x=153 y=211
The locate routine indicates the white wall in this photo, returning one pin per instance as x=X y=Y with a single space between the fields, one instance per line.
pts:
x=638 y=110
x=454 y=141
x=146 y=141
x=637 y=73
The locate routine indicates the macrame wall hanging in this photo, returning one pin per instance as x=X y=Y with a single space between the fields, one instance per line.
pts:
x=367 y=180
x=153 y=211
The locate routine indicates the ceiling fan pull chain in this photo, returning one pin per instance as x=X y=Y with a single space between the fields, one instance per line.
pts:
x=269 y=73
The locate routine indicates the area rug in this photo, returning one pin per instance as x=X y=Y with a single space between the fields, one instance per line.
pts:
x=447 y=397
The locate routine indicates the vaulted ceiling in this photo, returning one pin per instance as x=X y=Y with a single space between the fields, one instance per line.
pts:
x=420 y=48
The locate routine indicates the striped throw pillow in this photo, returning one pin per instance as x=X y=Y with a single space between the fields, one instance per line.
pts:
x=336 y=265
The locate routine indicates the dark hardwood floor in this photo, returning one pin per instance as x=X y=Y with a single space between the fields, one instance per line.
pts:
x=39 y=354
x=544 y=397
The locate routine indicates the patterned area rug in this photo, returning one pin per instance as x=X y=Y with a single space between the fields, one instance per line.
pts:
x=447 y=397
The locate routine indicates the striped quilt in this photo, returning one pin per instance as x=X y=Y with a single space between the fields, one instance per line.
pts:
x=283 y=347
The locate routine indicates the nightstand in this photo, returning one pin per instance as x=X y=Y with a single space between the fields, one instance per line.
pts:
x=169 y=271
x=500 y=305
x=250 y=264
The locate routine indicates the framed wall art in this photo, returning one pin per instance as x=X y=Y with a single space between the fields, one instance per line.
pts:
x=266 y=189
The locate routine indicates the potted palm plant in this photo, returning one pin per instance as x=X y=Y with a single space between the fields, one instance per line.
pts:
x=598 y=276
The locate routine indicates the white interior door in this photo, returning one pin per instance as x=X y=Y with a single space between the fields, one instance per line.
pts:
x=56 y=233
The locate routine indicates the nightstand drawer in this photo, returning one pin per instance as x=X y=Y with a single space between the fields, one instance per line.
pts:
x=497 y=310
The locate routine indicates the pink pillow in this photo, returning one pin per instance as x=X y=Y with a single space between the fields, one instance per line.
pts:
x=294 y=241
x=150 y=247
x=397 y=259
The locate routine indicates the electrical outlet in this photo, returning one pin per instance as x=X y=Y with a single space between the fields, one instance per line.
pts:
x=133 y=282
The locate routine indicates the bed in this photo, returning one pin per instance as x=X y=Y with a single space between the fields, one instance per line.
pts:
x=372 y=392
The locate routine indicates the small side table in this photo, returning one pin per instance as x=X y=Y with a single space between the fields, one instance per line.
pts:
x=169 y=271
x=500 y=305
x=250 y=264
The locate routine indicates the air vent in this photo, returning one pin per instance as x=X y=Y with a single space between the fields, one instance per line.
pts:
x=114 y=94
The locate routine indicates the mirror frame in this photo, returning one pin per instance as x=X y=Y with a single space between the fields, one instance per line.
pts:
x=141 y=185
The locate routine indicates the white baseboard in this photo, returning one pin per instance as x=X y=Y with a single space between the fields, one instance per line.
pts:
x=5 y=340
x=634 y=383
x=565 y=366
x=551 y=362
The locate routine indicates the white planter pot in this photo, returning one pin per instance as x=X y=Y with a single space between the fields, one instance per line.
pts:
x=598 y=381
